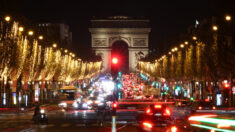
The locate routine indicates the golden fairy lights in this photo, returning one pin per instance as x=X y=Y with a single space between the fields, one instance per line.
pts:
x=30 y=33
x=228 y=18
x=36 y=63
x=7 y=18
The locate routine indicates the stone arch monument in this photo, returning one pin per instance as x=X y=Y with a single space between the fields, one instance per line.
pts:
x=133 y=31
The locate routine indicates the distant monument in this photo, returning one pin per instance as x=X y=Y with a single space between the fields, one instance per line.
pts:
x=105 y=33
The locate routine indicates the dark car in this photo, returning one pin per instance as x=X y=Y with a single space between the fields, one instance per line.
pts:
x=204 y=105
x=183 y=103
x=155 y=115
x=157 y=118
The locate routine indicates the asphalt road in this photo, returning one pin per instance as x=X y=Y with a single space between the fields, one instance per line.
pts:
x=71 y=121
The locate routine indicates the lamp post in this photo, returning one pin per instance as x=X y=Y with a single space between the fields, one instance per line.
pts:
x=7 y=18
x=30 y=33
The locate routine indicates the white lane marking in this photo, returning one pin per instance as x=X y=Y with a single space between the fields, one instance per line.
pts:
x=28 y=130
x=50 y=125
x=43 y=126
x=65 y=125
x=121 y=127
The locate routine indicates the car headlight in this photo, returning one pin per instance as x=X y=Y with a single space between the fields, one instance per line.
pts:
x=75 y=104
x=89 y=102
x=84 y=105
x=79 y=99
x=42 y=111
x=63 y=104
x=97 y=101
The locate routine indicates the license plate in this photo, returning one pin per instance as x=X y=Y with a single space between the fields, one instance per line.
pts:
x=131 y=108
x=158 y=114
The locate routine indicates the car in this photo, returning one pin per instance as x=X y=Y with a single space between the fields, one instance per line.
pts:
x=183 y=103
x=204 y=105
x=148 y=97
x=155 y=115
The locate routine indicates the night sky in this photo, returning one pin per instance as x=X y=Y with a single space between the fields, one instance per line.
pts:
x=168 y=18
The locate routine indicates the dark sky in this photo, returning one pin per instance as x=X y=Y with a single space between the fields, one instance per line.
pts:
x=168 y=18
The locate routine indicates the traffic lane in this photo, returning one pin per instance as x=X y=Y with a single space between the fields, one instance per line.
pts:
x=84 y=121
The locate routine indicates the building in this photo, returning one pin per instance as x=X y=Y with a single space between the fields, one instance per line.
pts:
x=58 y=33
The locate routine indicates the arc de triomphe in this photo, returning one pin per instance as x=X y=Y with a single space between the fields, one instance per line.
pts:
x=134 y=32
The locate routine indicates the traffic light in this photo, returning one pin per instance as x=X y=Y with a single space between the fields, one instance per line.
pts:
x=114 y=107
x=119 y=85
x=120 y=74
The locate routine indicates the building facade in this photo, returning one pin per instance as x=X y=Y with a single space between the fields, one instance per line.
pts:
x=57 y=33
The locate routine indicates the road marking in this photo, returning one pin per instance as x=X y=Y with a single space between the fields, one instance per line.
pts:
x=121 y=127
x=43 y=126
x=65 y=125
x=50 y=125
x=79 y=125
x=28 y=130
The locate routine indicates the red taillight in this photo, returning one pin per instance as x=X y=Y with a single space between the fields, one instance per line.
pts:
x=167 y=112
x=147 y=124
x=158 y=106
x=148 y=111
x=174 y=129
x=199 y=107
x=114 y=105
x=179 y=103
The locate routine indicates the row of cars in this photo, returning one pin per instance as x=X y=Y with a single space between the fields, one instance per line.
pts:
x=90 y=103
x=197 y=105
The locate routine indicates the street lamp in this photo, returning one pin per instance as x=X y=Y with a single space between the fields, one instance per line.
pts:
x=173 y=50
x=194 y=38
x=228 y=18
x=30 y=33
x=21 y=29
x=176 y=48
x=169 y=53
x=182 y=45
x=215 y=28
x=186 y=42
x=40 y=37
x=54 y=45
x=7 y=18
x=65 y=51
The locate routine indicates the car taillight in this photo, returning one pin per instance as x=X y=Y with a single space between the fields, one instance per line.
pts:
x=157 y=106
x=167 y=112
x=147 y=124
x=114 y=105
x=179 y=103
x=173 y=129
x=148 y=111
x=199 y=107
x=213 y=107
